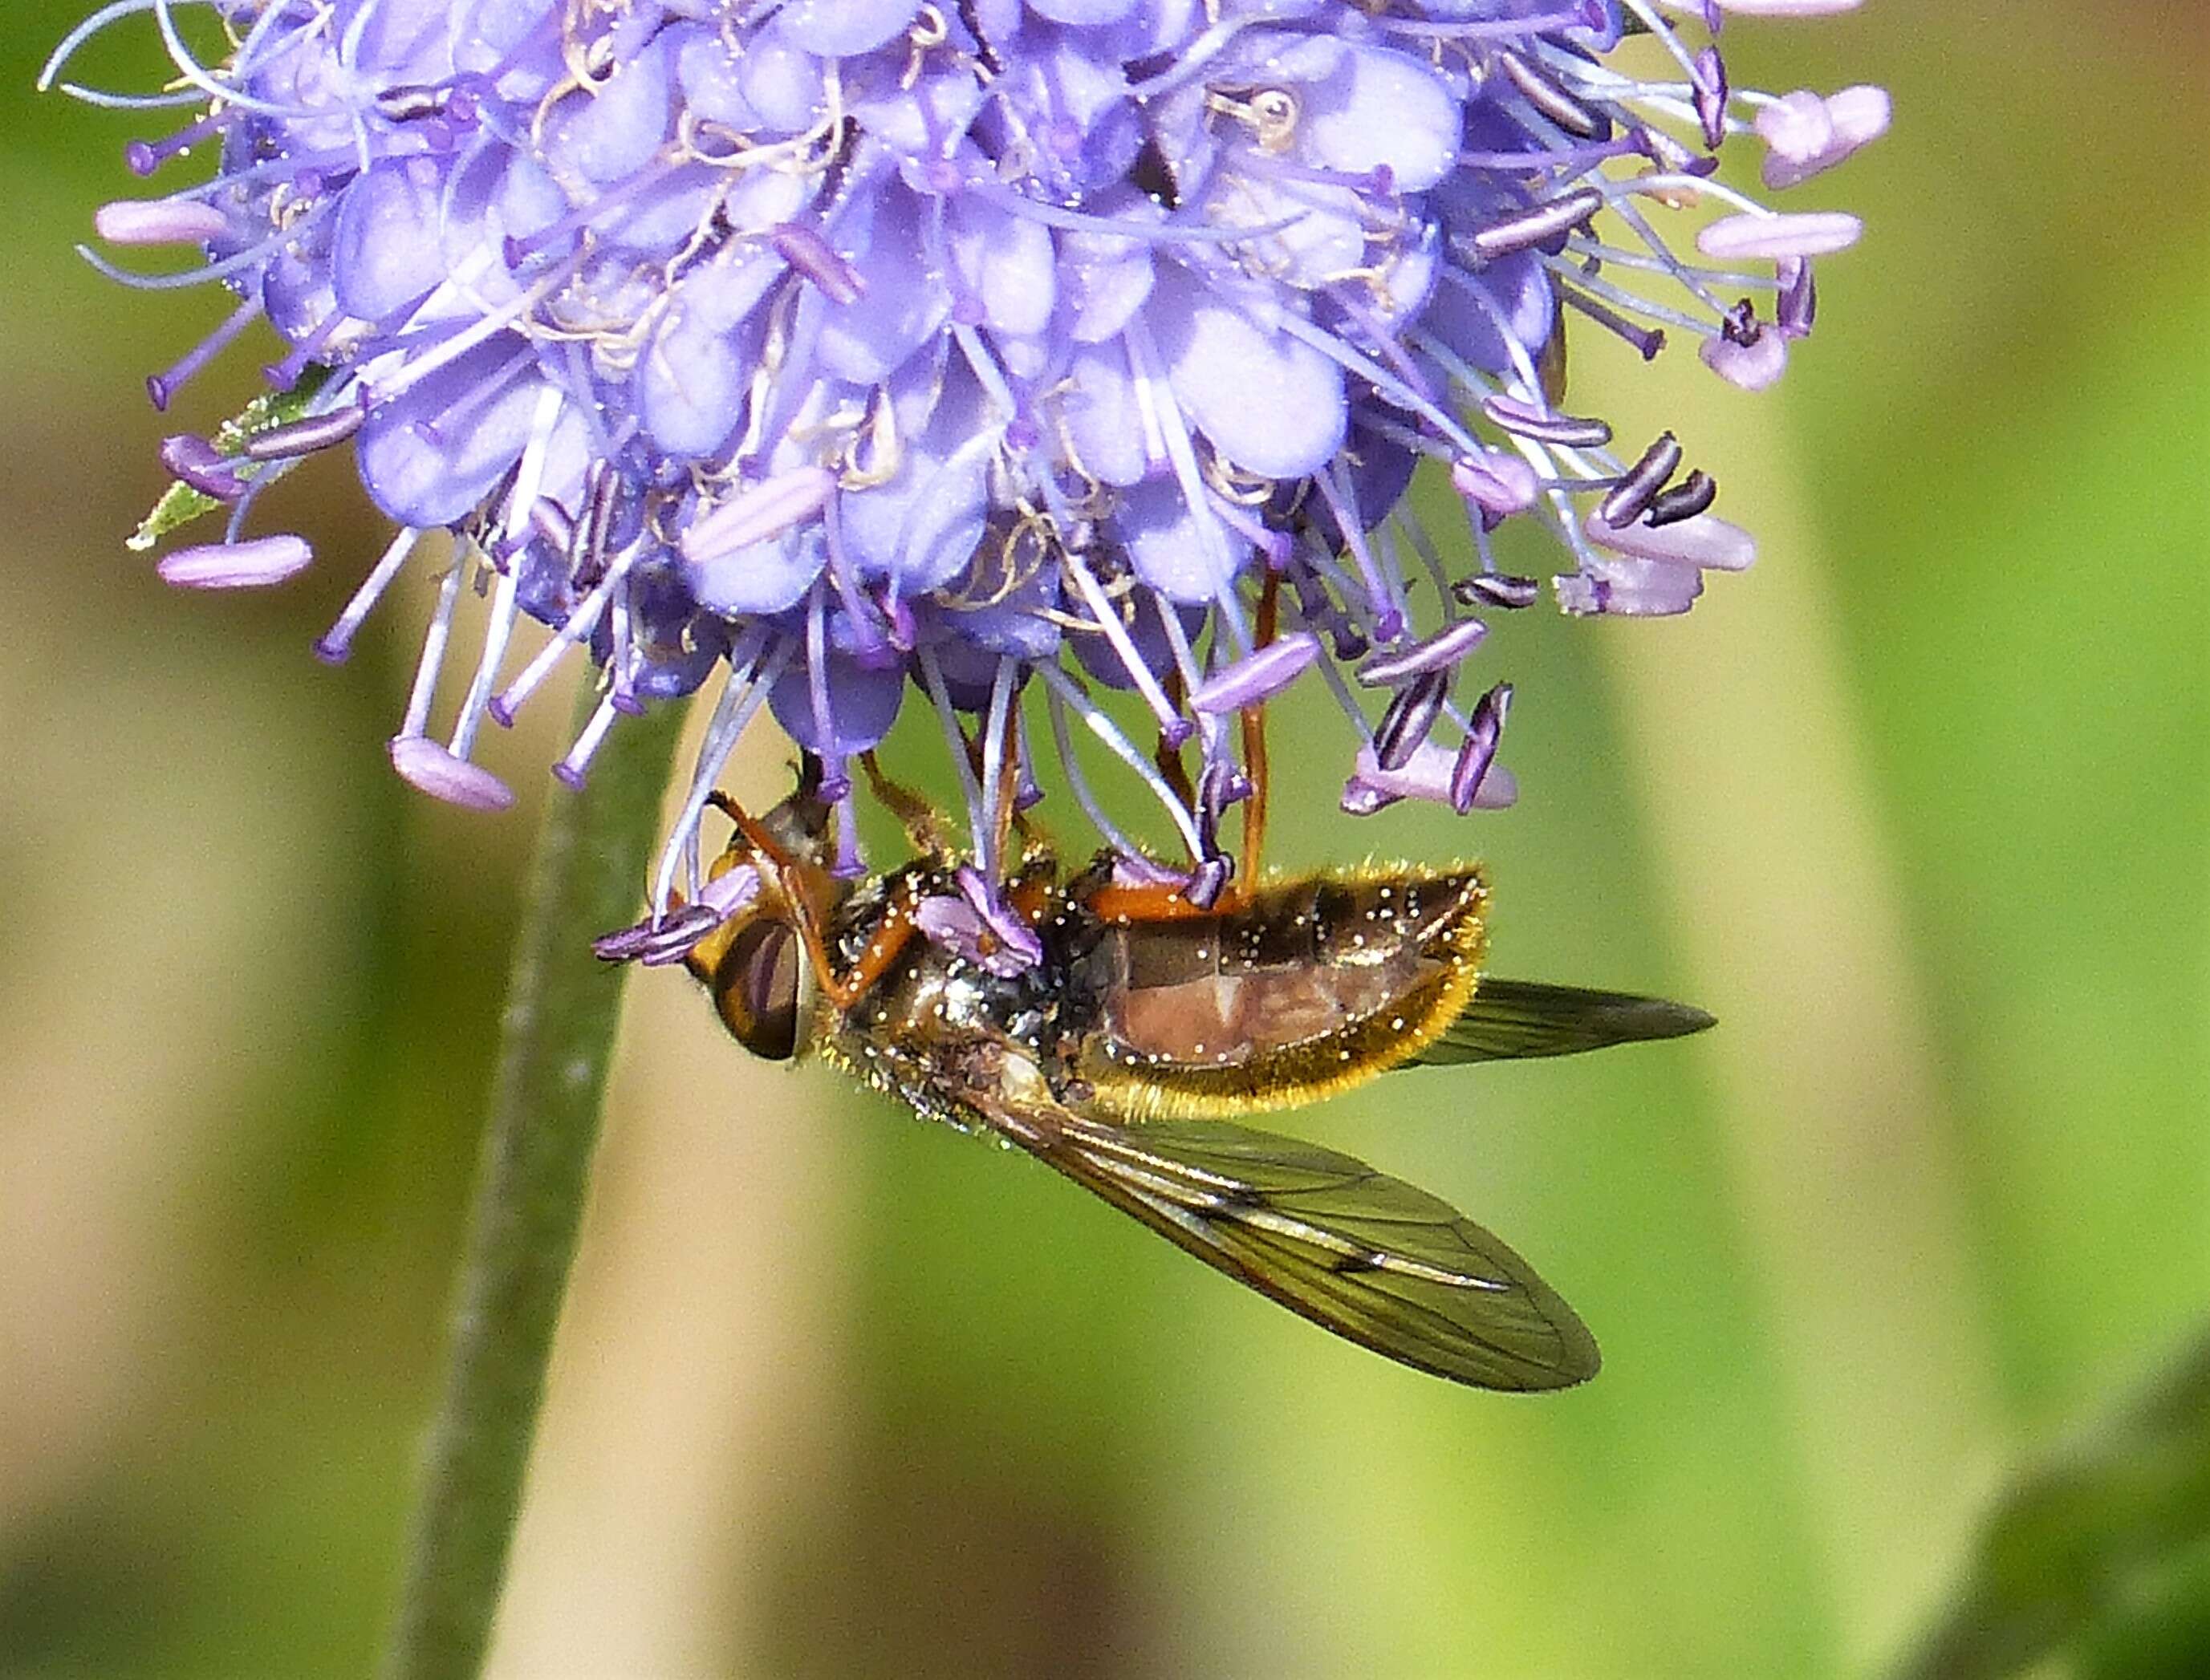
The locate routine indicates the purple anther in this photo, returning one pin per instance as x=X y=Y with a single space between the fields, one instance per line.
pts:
x=160 y=221
x=1497 y=589
x=1441 y=652
x=1479 y=752
x=1641 y=481
x=254 y=565
x=1257 y=677
x=1500 y=484
x=1410 y=717
x=623 y=944
x=1547 y=223
x=1694 y=494
x=427 y=766
x=811 y=256
x=1797 y=308
x=307 y=436
x=675 y=938
x=1558 y=107
x=1208 y=880
x=1709 y=81
x=978 y=927
x=732 y=890
x=192 y=459
x=1545 y=425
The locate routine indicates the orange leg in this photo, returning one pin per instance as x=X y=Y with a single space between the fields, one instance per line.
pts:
x=923 y=829
x=797 y=882
x=1151 y=903
x=1169 y=759
x=883 y=948
x=1008 y=785
x=1254 y=751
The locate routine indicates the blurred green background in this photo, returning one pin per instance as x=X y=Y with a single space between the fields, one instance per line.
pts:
x=1919 y=808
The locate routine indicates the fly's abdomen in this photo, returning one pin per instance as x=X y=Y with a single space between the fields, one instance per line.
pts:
x=1307 y=987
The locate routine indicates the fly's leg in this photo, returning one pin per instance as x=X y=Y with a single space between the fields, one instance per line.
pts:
x=1003 y=796
x=1149 y=901
x=1168 y=756
x=1254 y=751
x=800 y=886
x=883 y=948
x=923 y=829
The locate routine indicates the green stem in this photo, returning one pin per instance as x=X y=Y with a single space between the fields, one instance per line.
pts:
x=556 y=1045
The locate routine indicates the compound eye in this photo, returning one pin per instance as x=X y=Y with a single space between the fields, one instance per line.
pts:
x=756 y=988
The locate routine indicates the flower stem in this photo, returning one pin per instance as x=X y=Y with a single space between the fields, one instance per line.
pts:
x=556 y=1045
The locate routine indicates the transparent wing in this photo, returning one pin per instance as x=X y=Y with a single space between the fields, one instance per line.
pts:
x=1366 y=1256
x=1510 y=1018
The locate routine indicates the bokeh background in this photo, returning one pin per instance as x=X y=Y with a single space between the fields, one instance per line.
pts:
x=1920 y=808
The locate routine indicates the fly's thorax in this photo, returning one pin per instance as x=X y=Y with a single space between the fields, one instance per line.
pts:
x=936 y=1027
x=1308 y=986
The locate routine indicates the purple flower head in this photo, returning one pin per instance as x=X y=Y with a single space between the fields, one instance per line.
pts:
x=861 y=353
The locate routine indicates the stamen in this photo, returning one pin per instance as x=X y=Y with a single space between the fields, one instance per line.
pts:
x=1642 y=481
x=851 y=863
x=161 y=388
x=1104 y=729
x=159 y=222
x=994 y=756
x=433 y=650
x=758 y=513
x=1479 y=752
x=1122 y=847
x=1411 y=715
x=1500 y=484
x=1704 y=541
x=1439 y=652
x=306 y=436
x=1522 y=419
x=1257 y=676
x=1685 y=500
x=430 y=769
x=250 y=565
x=811 y=256
x=1558 y=107
x=143 y=157
x=1494 y=589
x=337 y=642
x=1540 y=225
x=579 y=625
x=1798 y=306
x=954 y=738
x=199 y=463
x=751 y=678
x=252 y=256
x=1778 y=236
x=573 y=769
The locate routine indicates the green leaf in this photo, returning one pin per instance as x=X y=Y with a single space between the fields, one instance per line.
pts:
x=181 y=503
x=2082 y=1534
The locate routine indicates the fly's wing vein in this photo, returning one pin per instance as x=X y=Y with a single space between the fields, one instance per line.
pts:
x=1366 y=1255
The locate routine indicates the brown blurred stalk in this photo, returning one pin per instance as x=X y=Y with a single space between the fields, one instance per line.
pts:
x=557 y=1044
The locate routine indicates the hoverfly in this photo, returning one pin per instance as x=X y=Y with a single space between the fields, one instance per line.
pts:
x=1127 y=1040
